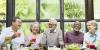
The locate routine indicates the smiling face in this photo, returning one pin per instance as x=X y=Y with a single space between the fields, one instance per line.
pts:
x=17 y=23
x=91 y=26
x=77 y=26
x=35 y=28
x=52 y=24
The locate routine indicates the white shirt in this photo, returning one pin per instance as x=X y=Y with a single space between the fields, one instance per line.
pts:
x=9 y=32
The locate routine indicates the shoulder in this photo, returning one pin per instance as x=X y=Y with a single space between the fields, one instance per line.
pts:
x=82 y=33
x=28 y=37
x=67 y=33
x=47 y=30
x=58 y=29
x=87 y=34
x=98 y=33
x=39 y=36
x=21 y=30
x=6 y=29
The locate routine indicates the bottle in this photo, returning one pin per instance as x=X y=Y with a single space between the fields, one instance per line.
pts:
x=3 y=47
x=8 y=47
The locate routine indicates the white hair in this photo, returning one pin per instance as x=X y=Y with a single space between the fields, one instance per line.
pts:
x=93 y=22
x=52 y=20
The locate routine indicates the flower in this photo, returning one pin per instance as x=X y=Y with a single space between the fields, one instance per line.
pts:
x=73 y=47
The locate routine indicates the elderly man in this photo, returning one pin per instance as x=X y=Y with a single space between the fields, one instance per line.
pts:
x=52 y=36
x=92 y=37
x=12 y=34
x=74 y=36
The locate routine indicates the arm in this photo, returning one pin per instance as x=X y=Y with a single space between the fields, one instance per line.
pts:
x=4 y=38
x=22 y=37
x=66 y=38
x=84 y=42
x=43 y=43
x=60 y=39
x=27 y=42
x=44 y=38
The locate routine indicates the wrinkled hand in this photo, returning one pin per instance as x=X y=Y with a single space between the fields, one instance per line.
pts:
x=91 y=45
x=16 y=34
x=92 y=30
x=32 y=41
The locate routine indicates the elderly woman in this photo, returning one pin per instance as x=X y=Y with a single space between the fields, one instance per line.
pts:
x=33 y=40
x=92 y=37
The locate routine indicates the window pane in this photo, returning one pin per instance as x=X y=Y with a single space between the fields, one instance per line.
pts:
x=68 y=26
x=26 y=9
x=26 y=28
x=2 y=9
x=74 y=9
x=98 y=26
x=2 y=26
x=44 y=26
x=50 y=9
x=96 y=9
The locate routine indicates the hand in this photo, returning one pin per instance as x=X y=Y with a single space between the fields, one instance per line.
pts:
x=8 y=39
x=92 y=30
x=16 y=34
x=33 y=40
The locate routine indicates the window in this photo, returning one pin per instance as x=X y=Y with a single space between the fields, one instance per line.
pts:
x=49 y=9
x=26 y=28
x=44 y=26
x=98 y=26
x=68 y=26
x=2 y=26
x=2 y=9
x=26 y=9
x=96 y=9
x=74 y=9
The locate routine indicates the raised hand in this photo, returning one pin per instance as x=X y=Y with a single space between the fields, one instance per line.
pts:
x=16 y=34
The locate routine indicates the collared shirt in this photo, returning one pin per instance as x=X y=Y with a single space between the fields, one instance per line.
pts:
x=70 y=37
x=52 y=38
x=9 y=32
x=36 y=44
x=88 y=37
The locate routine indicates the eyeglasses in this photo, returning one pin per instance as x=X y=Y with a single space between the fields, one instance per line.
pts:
x=52 y=24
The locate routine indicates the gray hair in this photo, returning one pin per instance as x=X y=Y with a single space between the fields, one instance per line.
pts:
x=54 y=21
x=34 y=24
x=93 y=22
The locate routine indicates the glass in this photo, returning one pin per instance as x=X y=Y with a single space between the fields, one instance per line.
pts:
x=26 y=28
x=49 y=9
x=74 y=9
x=68 y=26
x=44 y=26
x=2 y=9
x=98 y=26
x=2 y=26
x=26 y=9
x=96 y=9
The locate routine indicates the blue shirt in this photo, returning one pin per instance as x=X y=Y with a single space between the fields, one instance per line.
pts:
x=88 y=37
x=9 y=32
